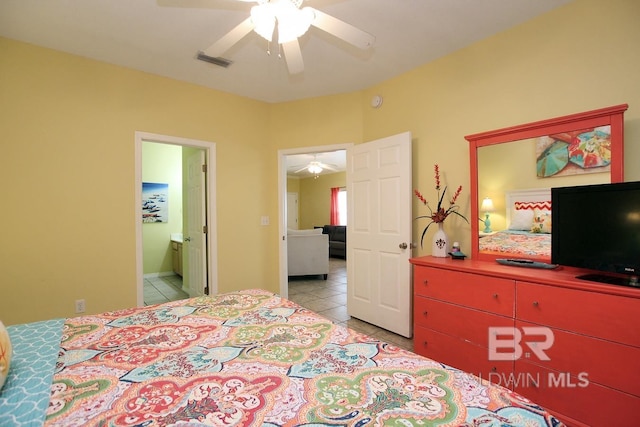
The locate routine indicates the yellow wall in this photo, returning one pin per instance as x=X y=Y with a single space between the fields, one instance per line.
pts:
x=554 y=65
x=67 y=129
x=162 y=163
x=293 y=185
x=315 y=198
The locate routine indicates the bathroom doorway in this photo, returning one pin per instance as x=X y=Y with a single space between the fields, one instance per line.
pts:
x=189 y=231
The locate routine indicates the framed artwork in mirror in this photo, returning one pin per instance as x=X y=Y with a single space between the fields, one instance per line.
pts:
x=517 y=166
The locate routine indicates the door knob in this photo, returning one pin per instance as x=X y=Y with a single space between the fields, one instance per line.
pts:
x=403 y=245
x=187 y=239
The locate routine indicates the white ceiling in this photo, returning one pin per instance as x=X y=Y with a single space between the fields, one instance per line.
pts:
x=336 y=160
x=163 y=37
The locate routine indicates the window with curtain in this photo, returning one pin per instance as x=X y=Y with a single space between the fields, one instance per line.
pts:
x=338 y=206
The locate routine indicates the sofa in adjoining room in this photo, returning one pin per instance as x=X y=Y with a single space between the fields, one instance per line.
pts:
x=337 y=240
x=307 y=253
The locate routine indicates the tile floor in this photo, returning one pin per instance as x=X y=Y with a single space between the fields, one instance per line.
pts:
x=163 y=289
x=329 y=298
x=326 y=297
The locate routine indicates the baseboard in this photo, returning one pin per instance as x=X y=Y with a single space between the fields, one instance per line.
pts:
x=160 y=274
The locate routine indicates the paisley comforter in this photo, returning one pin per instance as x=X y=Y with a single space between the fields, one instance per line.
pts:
x=518 y=243
x=253 y=358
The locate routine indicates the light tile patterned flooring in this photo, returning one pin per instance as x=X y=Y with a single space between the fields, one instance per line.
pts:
x=163 y=289
x=329 y=299
x=326 y=297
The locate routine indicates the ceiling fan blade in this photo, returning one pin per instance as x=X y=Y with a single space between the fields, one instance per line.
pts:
x=293 y=56
x=229 y=39
x=301 y=169
x=342 y=30
x=328 y=167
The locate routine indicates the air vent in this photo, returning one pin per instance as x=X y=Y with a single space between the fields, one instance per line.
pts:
x=222 y=62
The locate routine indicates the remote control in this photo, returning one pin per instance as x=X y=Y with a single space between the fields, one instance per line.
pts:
x=525 y=263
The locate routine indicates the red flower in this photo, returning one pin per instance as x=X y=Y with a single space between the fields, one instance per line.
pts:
x=422 y=199
x=455 y=196
x=440 y=213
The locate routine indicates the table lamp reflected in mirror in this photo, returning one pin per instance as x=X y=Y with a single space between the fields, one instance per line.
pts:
x=487 y=208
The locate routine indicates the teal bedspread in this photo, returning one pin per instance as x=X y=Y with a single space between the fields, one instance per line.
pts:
x=25 y=395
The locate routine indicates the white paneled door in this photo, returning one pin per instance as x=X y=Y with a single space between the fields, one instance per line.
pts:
x=196 y=238
x=292 y=211
x=379 y=233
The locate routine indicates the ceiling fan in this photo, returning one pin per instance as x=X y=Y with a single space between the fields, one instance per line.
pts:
x=315 y=167
x=291 y=21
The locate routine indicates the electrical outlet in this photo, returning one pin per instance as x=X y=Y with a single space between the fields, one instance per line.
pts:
x=264 y=220
x=80 y=306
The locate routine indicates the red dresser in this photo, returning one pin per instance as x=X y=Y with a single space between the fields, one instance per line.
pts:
x=569 y=345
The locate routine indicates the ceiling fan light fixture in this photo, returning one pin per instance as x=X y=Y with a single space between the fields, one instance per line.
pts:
x=264 y=21
x=314 y=168
x=293 y=22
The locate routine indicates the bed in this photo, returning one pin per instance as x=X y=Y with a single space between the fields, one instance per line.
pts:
x=237 y=359
x=528 y=232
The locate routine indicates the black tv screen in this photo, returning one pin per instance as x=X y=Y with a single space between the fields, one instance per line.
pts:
x=598 y=227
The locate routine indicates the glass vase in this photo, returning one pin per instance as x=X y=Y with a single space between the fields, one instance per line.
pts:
x=440 y=247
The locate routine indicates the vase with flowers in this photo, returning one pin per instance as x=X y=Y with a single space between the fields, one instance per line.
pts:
x=438 y=215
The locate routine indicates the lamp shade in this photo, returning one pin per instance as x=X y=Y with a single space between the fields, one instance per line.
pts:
x=487 y=205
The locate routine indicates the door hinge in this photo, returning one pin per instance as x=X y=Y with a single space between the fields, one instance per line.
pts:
x=204 y=168
x=205 y=229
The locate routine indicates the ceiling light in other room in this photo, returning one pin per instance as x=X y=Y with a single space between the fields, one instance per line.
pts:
x=314 y=168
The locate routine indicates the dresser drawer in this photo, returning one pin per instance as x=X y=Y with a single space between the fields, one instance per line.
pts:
x=605 y=362
x=589 y=403
x=485 y=293
x=461 y=322
x=460 y=354
x=610 y=317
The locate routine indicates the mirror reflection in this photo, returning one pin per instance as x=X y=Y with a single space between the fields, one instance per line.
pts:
x=514 y=182
x=513 y=170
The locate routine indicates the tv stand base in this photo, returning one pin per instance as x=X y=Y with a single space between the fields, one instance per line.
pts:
x=612 y=280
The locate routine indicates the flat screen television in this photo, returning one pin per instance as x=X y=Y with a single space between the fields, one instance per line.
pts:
x=597 y=227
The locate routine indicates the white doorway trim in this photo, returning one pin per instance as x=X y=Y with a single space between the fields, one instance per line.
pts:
x=282 y=203
x=212 y=238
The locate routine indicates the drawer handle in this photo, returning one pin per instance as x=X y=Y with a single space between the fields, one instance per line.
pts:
x=424 y=343
x=424 y=312
x=494 y=369
x=535 y=303
x=425 y=282
x=495 y=295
